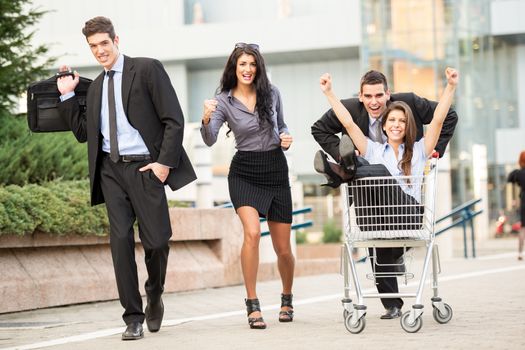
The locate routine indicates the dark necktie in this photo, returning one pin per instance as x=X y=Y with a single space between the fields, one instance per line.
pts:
x=375 y=133
x=113 y=142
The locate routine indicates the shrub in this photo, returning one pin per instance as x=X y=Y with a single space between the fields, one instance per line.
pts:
x=331 y=232
x=58 y=207
x=300 y=237
x=179 y=204
x=37 y=158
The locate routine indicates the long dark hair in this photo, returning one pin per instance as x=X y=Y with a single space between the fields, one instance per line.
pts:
x=405 y=164
x=262 y=84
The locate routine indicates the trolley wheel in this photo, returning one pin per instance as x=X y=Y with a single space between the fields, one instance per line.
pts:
x=411 y=327
x=358 y=328
x=346 y=314
x=440 y=317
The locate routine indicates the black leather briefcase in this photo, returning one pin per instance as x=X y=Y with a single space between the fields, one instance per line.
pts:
x=42 y=104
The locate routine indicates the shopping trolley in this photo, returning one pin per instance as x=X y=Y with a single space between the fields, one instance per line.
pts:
x=390 y=212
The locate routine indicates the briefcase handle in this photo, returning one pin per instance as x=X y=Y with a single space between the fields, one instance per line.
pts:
x=65 y=73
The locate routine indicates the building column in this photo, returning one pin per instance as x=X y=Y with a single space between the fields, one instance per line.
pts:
x=520 y=70
x=480 y=179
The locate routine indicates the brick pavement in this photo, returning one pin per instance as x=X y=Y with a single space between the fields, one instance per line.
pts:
x=486 y=295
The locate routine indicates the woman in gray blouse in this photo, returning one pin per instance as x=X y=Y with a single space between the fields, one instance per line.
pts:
x=258 y=178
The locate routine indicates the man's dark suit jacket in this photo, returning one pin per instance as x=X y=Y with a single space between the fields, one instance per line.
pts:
x=325 y=129
x=151 y=106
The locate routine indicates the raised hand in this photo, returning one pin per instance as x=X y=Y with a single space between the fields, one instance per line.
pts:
x=440 y=113
x=325 y=83
x=209 y=107
x=67 y=83
x=452 y=76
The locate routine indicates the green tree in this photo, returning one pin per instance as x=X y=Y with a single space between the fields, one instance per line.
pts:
x=20 y=62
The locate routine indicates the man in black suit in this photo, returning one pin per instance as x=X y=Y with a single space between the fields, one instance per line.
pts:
x=366 y=111
x=134 y=128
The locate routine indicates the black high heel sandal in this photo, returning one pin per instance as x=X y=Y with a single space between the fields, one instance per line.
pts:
x=286 y=316
x=253 y=305
x=322 y=167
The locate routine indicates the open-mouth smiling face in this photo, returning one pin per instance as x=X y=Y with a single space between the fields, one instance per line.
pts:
x=374 y=97
x=246 y=69
x=395 y=126
x=104 y=49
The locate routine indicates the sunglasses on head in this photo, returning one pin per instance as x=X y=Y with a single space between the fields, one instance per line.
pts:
x=244 y=45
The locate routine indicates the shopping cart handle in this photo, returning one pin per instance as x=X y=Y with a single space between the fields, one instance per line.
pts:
x=435 y=154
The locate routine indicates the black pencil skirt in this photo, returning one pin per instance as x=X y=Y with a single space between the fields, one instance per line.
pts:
x=260 y=180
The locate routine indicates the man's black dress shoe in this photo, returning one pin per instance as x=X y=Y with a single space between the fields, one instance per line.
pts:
x=154 y=313
x=133 y=331
x=348 y=157
x=391 y=312
x=322 y=167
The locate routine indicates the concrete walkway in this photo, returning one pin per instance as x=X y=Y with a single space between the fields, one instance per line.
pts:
x=486 y=295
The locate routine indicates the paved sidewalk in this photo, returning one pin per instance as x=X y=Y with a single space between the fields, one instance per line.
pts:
x=486 y=295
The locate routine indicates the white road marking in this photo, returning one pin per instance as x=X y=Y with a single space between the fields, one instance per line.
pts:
x=498 y=256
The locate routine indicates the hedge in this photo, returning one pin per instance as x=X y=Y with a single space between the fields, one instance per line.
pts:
x=331 y=232
x=27 y=157
x=58 y=207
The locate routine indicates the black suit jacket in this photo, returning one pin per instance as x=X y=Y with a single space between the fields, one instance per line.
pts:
x=325 y=129
x=151 y=106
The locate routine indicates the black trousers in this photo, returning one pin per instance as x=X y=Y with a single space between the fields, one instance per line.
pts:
x=386 y=284
x=395 y=211
x=132 y=195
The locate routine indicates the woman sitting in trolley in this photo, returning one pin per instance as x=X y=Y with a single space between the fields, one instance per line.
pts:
x=388 y=207
x=401 y=154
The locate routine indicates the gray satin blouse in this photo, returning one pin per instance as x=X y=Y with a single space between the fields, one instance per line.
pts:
x=250 y=134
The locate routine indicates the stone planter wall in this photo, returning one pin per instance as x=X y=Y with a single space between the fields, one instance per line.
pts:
x=43 y=270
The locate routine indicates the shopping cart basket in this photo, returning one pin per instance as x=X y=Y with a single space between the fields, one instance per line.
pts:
x=389 y=212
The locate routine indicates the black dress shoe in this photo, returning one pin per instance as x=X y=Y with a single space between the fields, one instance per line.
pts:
x=391 y=312
x=348 y=157
x=154 y=313
x=322 y=167
x=133 y=331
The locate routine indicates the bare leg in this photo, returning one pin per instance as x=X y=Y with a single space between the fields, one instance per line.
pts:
x=280 y=233
x=521 y=238
x=250 y=252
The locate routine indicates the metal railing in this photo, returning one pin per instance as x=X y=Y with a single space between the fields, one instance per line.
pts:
x=297 y=226
x=466 y=214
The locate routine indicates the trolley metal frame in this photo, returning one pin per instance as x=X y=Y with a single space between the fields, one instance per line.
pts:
x=378 y=214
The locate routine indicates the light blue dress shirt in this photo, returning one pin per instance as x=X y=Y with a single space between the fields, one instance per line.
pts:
x=129 y=139
x=377 y=153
